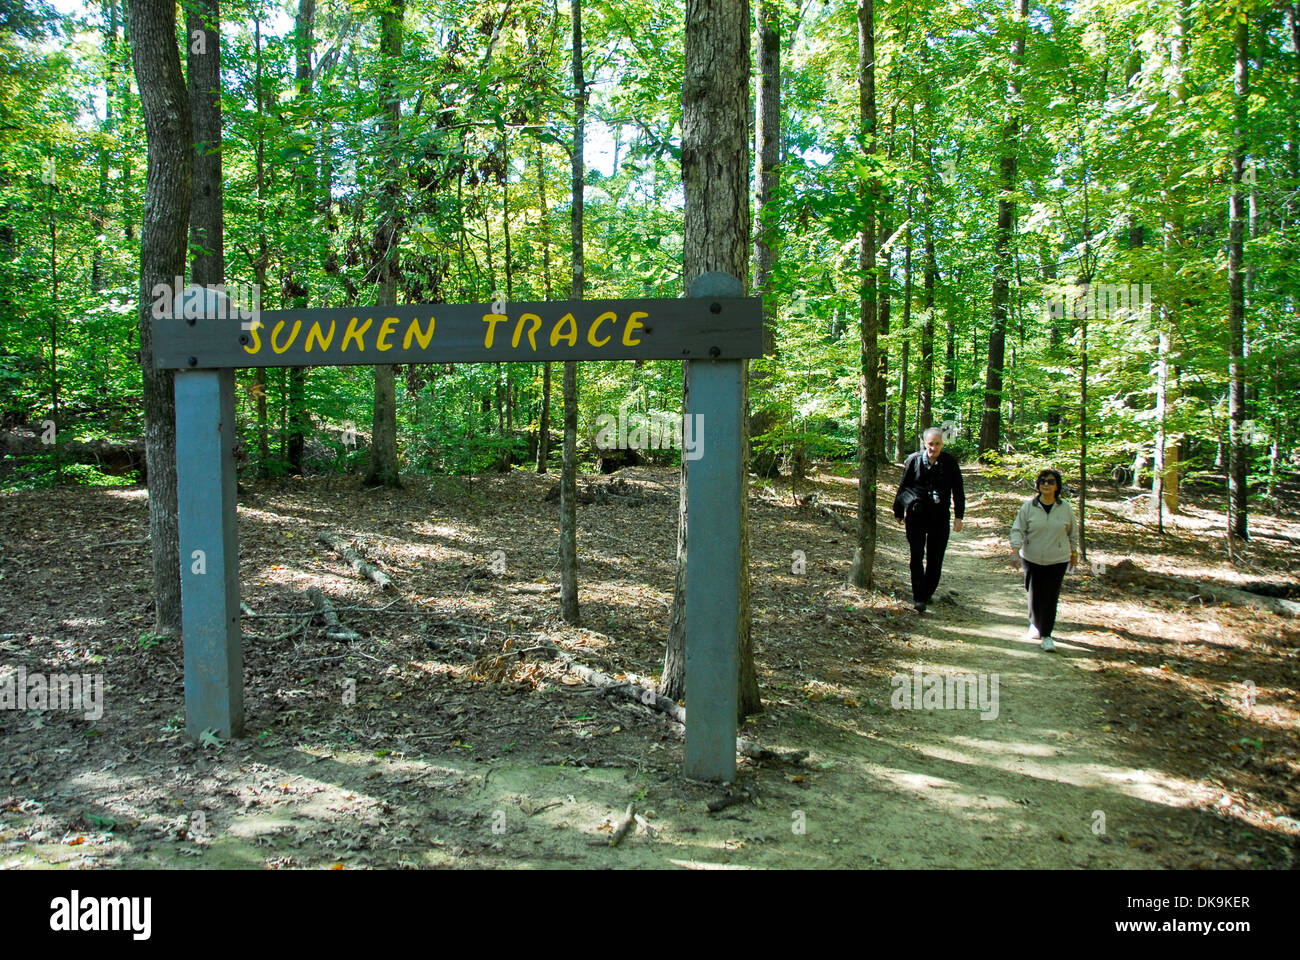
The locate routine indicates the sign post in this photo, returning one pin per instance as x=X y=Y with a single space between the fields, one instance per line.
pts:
x=713 y=491
x=716 y=328
x=209 y=542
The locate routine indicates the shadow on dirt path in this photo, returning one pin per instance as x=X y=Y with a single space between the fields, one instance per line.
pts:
x=1024 y=777
x=434 y=763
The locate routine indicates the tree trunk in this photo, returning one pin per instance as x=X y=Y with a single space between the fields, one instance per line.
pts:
x=544 y=429
x=715 y=175
x=207 y=230
x=884 y=268
x=109 y=8
x=168 y=189
x=767 y=129
x=510 y=290
x=8 y=248
x=263 y=249
x=1292 y=206
x=1164 y=484
x=569 y=609
x=207 y=238
x=1047 y=256
x=884 y=254
x=902 y=447
x=54 y=324
x=1237 y=493
x=383 y=447
x=305 y=187
x=124 y=111
x=870 y=415
x=927 y=331
x=1083 y=436
x=991 y=426
x=950 y=358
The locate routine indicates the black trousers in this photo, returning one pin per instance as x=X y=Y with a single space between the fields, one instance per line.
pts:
x=1043 y=584
x=927 y=536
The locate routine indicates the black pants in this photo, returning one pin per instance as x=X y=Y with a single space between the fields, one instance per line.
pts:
x=927 y=535
x=1043 y=584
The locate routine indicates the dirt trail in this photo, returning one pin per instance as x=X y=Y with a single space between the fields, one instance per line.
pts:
x=431 y=768
x=1037 y=784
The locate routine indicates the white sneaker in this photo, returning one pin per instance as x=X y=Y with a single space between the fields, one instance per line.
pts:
x=1047 y=645
x=1032 y=633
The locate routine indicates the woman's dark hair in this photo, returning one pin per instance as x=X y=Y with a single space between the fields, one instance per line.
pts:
x=1050 y=474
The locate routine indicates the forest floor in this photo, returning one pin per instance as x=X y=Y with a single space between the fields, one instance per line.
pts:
x=1136 y=745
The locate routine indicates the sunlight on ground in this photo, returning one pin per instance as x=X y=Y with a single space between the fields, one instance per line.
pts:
x=1147 y=785
x=953 y=793
x=701 y=865
x=124 y=493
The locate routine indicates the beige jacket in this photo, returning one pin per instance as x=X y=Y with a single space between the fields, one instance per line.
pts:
x=1044 y=536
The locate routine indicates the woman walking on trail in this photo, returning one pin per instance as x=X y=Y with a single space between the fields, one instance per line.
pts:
x=1045 y=542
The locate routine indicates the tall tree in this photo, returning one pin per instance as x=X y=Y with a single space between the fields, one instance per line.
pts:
x=902 y=447
x=295 y=285
x=383 y=468
x=715 y=175
x=544 y=425
x=1237 y=492
x=991 y=424
x=929 y=278
x=109 y=9
x=1165 y=472
x=767 y=130
x=169 y=184
x=569 y=468
x=870 y=410
x=930 y=272
x=262 y=260
x=203 y=65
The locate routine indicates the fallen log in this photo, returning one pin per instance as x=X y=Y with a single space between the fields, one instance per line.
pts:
x=827 y=509
x=849 y=528
x=1217 y=594
x=1119 y=516
x=534 y=588
x=649 y=697
x=334 y=630
x=341 y=547
x=108 y=456
x=1126 y=571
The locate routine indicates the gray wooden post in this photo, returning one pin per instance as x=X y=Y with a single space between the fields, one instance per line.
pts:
x=209 y=542
x=713 y=492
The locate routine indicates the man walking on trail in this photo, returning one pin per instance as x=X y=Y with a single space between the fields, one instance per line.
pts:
x=931 y=480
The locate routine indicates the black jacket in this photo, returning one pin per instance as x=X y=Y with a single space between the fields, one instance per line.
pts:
x=944 y=478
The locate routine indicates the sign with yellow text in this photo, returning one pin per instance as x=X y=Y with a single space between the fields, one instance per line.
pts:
x=723 y=328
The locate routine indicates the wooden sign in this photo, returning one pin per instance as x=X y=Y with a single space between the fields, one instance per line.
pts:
x=204 y=339
x=708 y=328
